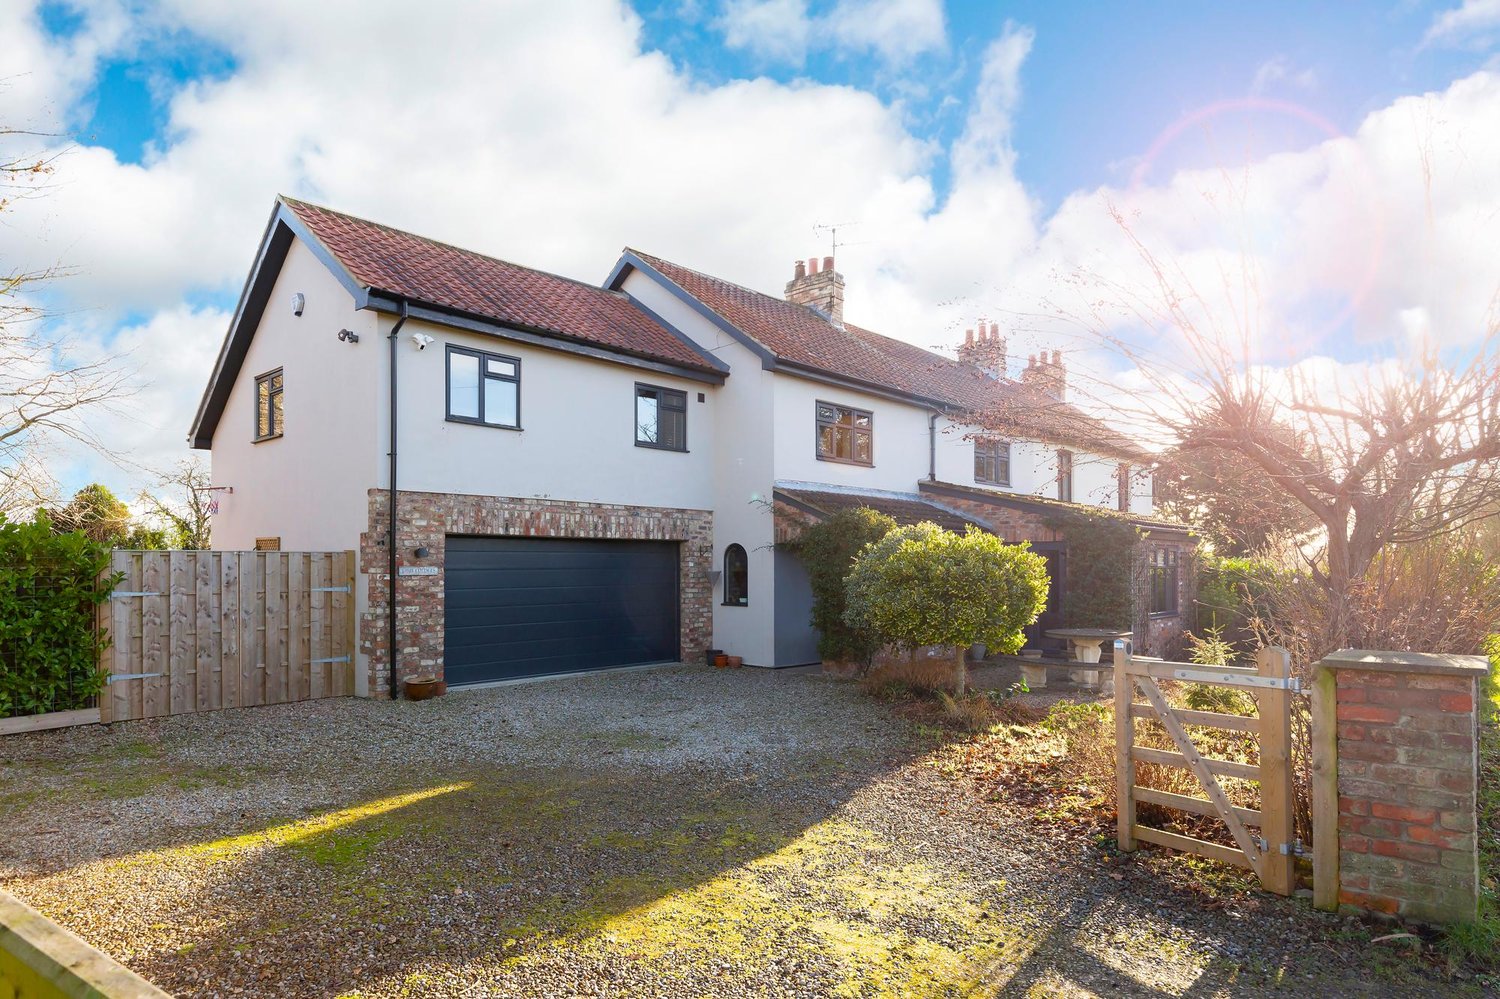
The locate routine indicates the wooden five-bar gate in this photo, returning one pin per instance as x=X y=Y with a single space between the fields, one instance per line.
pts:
x=1270 y=852
x=198 y=631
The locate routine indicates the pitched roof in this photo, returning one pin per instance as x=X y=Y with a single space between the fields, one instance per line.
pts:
x=424 y=270
x=1045 y=506
x=901 y=509
x=805 y=337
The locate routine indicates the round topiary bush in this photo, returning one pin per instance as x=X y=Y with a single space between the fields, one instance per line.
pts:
x=922 y=585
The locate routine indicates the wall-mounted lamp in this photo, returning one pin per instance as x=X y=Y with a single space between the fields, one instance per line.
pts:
x=422 y=552
x=421 y=340
x=298 y=301
x=349 y=335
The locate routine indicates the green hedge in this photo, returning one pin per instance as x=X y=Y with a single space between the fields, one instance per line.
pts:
x=49 y=592
x=1101 y=568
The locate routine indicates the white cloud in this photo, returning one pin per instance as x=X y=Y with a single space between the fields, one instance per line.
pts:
x=784 y=31
x=1279 y=73
x=898 y=30
x=773 y=30
x=1473 y=23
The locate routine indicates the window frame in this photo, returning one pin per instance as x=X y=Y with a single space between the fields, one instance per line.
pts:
x=854 y=413
x=275 y=429
x=994 y=443
x=660 y=390
x=483 y=357
x=736 y=549
x=1065 y=475
x=1166 y=581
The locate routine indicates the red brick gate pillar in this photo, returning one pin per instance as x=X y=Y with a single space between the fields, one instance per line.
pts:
x=1395 y=784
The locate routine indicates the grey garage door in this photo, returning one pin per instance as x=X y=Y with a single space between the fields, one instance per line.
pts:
x=518 y=607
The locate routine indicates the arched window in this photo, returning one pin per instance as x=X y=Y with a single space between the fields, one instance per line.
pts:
x=736 y=577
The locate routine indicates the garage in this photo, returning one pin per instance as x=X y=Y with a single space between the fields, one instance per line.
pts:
x=524 y=607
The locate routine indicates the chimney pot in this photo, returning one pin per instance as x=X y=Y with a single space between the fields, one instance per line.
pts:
x=799 y=271
x=812 y=265
x=828 y=263
x=968 y=338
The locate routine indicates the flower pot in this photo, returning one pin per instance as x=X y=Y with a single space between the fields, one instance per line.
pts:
x=720 y=661
x=735 y=662
x=422 y=688
x=711 y=655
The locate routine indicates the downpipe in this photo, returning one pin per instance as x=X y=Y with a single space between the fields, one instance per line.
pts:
x=391 y=595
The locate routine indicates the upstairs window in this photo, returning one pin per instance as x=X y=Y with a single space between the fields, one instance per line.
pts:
x=1065 y=476
x=484 y=388
x=1164 y=579
x=1124 y=488
x=736 y=577
x=268 y=396
x=845 y=434
x=992 y=462
x=660 y=418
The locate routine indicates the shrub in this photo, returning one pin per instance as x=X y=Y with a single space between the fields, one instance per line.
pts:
x=922 y=585
x=828 y=550
x=49 y=589
x=1212 y=650
x=1102 y=565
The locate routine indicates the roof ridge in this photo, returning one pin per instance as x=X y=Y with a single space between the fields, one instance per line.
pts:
x=449 y=246
x=844 y=328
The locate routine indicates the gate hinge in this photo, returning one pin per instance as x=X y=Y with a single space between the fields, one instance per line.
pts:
x=335 y=659
x=1292 y=683
x=331 y=589
x=118 y=677
x=1292 y=849
x=134 y=593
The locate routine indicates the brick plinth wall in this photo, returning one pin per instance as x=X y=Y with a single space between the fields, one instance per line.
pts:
x=1407 y=766
x=426 y=520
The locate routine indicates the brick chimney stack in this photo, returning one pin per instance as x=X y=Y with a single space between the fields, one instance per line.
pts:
x=986 y=351
x=821 y=289
x=1047 y=374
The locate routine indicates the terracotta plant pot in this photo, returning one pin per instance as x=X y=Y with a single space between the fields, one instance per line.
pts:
x=721 y=660
x=422 y=688
x=712 y=655
x=735 y=662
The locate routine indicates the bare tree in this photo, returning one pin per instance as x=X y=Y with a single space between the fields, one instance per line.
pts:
x=43 y=395
x=1397 y=453
x=184 y=511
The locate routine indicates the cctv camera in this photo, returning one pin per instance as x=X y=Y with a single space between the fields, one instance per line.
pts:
x=421 y=340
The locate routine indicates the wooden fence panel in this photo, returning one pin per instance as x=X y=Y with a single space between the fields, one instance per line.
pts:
x=199 y=631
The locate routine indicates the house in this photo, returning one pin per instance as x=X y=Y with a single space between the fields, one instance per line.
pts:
x=592 y=476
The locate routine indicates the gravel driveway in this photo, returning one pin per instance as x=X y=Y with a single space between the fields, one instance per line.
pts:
x=676 y=832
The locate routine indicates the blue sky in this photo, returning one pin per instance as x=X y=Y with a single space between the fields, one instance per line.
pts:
x=1346 y=152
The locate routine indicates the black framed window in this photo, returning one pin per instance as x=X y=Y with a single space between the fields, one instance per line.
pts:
x=736 y=577
x=1164 y=578
x=660 y=418
x=268 y=396
x=1123 y=485
x=484 y=388
x=1065 y=476
x=992 y=461
x=845 y=434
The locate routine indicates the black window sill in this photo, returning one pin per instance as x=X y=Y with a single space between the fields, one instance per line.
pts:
x=846 y=461
x=987 y=482
x=661 y=447
x=268 y=437
x=480 y=423
x=741 y=603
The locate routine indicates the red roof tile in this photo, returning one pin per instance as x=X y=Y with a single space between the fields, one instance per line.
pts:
x=802 y=336
x=433 y=273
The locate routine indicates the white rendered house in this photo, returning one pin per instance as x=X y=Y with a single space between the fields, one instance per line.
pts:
x=594 y=476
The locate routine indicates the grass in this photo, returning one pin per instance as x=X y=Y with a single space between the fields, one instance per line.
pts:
x=1477 y=944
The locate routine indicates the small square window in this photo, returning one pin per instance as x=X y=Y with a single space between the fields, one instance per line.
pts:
x=660 y=418
x=484 y=388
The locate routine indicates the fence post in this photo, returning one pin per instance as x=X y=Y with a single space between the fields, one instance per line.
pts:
x=1325 y=790
x=1124 y=739
x=1276 y=803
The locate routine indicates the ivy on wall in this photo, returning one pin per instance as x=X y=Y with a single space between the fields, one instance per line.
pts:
x=1103 y=566
x=827 y=550
x=49 y=592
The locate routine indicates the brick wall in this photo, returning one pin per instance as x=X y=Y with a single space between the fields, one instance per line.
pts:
x=1407 y=765
x=425 y=521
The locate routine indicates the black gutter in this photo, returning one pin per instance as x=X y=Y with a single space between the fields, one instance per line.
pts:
x=932 y=446
x=391 y=532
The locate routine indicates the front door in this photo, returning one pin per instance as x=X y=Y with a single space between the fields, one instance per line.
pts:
x=1055 y=553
